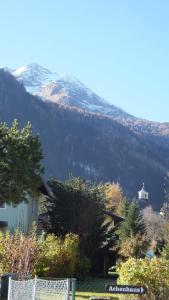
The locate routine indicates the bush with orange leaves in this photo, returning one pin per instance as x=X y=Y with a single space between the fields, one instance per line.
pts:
x=19 y=253
x=28 y=254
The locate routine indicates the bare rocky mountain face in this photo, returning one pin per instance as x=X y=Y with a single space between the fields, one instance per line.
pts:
x=83 y=141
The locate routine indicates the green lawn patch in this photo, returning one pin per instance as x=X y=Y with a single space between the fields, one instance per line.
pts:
x=87 y=295
x=94 y=287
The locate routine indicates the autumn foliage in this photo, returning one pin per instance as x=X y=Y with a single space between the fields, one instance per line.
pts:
x=28 y=255
x=19 y=253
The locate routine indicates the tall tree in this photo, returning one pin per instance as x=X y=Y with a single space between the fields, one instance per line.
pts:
x=133 y=221
x=20 y=163
x=78 y=207
x=132 y=238
x=114 y=195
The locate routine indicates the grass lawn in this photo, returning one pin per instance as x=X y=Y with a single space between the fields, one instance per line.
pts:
x=87 y=295
x=94 y=287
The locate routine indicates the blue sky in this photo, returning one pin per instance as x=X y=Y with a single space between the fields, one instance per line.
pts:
x=119 y=49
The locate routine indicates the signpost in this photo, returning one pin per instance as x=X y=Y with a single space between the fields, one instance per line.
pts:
x=126 y=289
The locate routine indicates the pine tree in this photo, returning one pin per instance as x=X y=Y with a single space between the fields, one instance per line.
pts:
x=133 y=222
x=78 y=207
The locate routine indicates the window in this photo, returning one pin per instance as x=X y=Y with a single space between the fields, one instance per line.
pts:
x=2 y=205
x=3 y=226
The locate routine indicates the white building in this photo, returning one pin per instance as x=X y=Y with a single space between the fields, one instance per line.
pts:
x=143 y=194
x=21 y=216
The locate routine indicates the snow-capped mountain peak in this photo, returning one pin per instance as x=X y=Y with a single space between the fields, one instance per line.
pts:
x=31 y=68
x=6 y=69
x=63 y=89
x=33 y=76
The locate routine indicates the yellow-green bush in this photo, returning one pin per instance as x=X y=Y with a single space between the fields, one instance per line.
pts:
x=58 y=257
x=3 y=267
x=47 y=256
x=153 y=273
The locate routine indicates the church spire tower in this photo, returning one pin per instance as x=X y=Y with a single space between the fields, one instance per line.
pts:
x=143 y=195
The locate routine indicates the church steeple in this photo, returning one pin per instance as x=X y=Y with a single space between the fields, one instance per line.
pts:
x=143 y=194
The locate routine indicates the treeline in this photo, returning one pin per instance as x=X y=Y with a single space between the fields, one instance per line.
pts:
x=90 y=146
x=107 y=223
x=108 y=226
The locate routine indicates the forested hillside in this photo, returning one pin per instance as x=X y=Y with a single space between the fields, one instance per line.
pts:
x=88 y=145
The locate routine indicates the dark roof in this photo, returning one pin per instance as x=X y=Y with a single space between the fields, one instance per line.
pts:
x=116 y=218
x=43 y=189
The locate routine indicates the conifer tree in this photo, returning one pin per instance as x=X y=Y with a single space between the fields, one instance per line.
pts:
x=133 y=222
x=20 y=163
x=78 y=207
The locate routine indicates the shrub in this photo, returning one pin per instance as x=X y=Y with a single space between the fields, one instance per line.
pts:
x=58 y=256
x=153 y=273
x=83 y=267
x=19 y=253
x=135 y=246
x=165 y=252
x=28 y=255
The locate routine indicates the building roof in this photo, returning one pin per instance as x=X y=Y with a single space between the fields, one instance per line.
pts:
x=116 y=218
x=143 y=189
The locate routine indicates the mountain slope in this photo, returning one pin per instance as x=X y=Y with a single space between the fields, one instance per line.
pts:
x=62 y=89
x=66 y=90
x=84 y=144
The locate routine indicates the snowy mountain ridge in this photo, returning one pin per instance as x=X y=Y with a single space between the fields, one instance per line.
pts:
x=63 y=89
x=34 y=76
x=66 y=90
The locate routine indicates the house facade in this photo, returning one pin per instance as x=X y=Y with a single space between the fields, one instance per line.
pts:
x=21 y=216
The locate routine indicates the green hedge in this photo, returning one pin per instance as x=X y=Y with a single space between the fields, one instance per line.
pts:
x=152 y=273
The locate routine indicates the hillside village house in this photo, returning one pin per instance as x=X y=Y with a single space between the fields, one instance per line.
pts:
x=21 y=216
